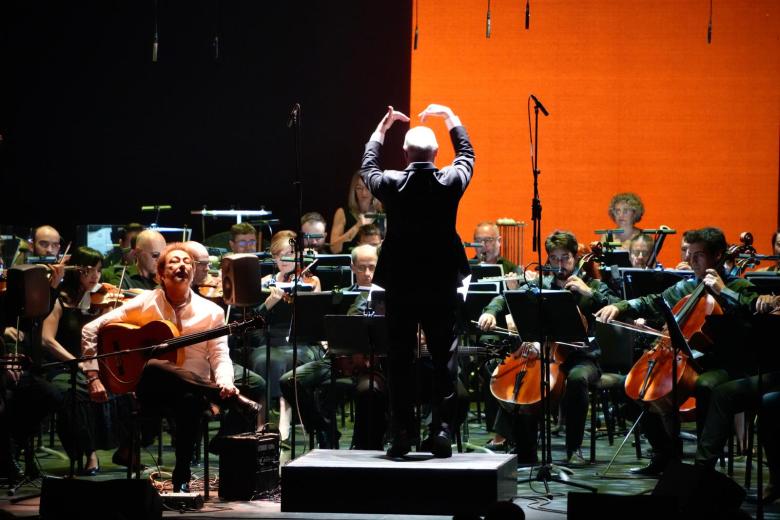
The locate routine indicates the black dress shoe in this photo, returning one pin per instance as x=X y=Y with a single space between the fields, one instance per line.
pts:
x=654 y=469
x=89 y=472
x=401 y=445
x=249 y=409
x=441 y=444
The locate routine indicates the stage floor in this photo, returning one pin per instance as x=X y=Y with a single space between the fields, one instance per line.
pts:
x=531 y=497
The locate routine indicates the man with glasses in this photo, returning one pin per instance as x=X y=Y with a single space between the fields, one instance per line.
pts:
x=489 y=250
x=581 y=365
x=314 y=231
x=243 y=238
x=143 y=273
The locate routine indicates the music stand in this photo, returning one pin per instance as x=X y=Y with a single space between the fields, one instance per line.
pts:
x=333 y=261
x=617 y=257
x=332 y=276
x=767 y=282
x=479 y=271
x=526 y=308
x=641 y=282
x=349 y=335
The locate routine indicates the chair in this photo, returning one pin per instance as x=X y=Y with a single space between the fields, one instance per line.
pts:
x=617 y=358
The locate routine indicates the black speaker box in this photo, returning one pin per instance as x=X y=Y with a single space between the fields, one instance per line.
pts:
x=121 y=499
x=248 y=465
x=603 y=506
x=241 y=280
x=28 y=291
x=700 y=490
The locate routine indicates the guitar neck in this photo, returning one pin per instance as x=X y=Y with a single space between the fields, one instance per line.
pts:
x=198 y=337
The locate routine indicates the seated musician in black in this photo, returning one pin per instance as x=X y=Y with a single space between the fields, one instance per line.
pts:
x=486 y=234
x=142 y=274
x=206 y=374
x=736 y=296
x=314 y=378
x=581 y=366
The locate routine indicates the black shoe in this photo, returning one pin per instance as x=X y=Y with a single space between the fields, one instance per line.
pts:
x=249 y=409
x=324 y=441
x=181 y=481
x=89 y=472
x=441 y=444
x=654 y=469
x=401 y=445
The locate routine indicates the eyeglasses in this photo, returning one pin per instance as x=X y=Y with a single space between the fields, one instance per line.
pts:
x=486 y=240
x=560 y=259
x=244 y=243
x=201 y=262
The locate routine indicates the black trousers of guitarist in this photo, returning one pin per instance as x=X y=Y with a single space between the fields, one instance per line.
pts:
x=171 y=391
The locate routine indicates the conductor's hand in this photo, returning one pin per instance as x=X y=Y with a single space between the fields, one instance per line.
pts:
x=607 y=314
x=391 y=117
x=487 y=322
x=97 y=392
x=436 y=111
x=227 y=390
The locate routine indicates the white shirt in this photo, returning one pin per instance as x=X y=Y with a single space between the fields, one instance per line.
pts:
x=199 y=315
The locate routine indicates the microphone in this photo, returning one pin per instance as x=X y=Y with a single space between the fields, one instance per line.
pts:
x=294 y=115
x=551 y=269
x=313 y=235
x=472 y=244
x=540 y=106
x=154 y=49
x=709 y=32
x=416 y=35
x=487 y=27
x=527 y=14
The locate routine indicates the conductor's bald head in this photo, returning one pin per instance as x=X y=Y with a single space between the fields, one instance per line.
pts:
x=420 y=144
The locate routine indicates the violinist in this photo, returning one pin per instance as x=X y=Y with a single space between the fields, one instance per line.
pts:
x=581 y=366
x=93 y=427
x=124 y=253
x=737 y=296
x=282 y=251
x=143 y=273
x=181 y=391
x=314 y=378
x=626 y=209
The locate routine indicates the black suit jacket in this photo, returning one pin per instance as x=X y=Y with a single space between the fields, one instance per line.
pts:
x=422 y=206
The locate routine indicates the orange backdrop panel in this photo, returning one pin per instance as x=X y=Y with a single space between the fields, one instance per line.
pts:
x=638 y=102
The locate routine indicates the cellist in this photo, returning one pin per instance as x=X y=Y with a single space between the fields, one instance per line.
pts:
x=706 y=254
x=183 y=391
x=581 y=367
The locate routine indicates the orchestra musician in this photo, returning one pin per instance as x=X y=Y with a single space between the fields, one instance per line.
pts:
x=370 y=234
x=182 y=392
x=685 y=257
x=143 y=273
x=639 y=250
x=124 y=253
x=775 y=252
x=421 y=194
x=314 y=231
x=314 y=378
x=580 y=367
x=243 y=238
x=348 y=221
x=87 y=426
x=625 y=210
x=736 y=296
x=487 y=236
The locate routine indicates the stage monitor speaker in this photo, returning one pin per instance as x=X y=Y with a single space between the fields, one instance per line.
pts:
x=604 y=506
x=700 y=490
x=241 y=280
x=120 y=499
x=28 y=291
x=248 y=465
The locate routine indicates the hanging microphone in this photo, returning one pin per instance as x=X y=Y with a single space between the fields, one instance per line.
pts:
x=487 y=27
x=709 y=32
x=540 y=106
x=527 y=14
x=416 y=34
x=294 y=115
x=154 y=49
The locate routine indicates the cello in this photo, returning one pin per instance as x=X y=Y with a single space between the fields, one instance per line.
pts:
x=650 y=379
x=124 y=348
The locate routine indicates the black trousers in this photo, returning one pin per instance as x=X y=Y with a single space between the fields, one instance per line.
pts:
x=434 y=309
x=168 y=390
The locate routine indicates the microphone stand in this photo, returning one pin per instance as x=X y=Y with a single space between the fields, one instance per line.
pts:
x=295 y=123
x=544 y=473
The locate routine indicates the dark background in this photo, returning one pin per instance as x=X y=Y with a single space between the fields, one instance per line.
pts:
x=93 y=129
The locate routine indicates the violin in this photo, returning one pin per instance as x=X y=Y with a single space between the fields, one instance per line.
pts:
x=106 y=296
